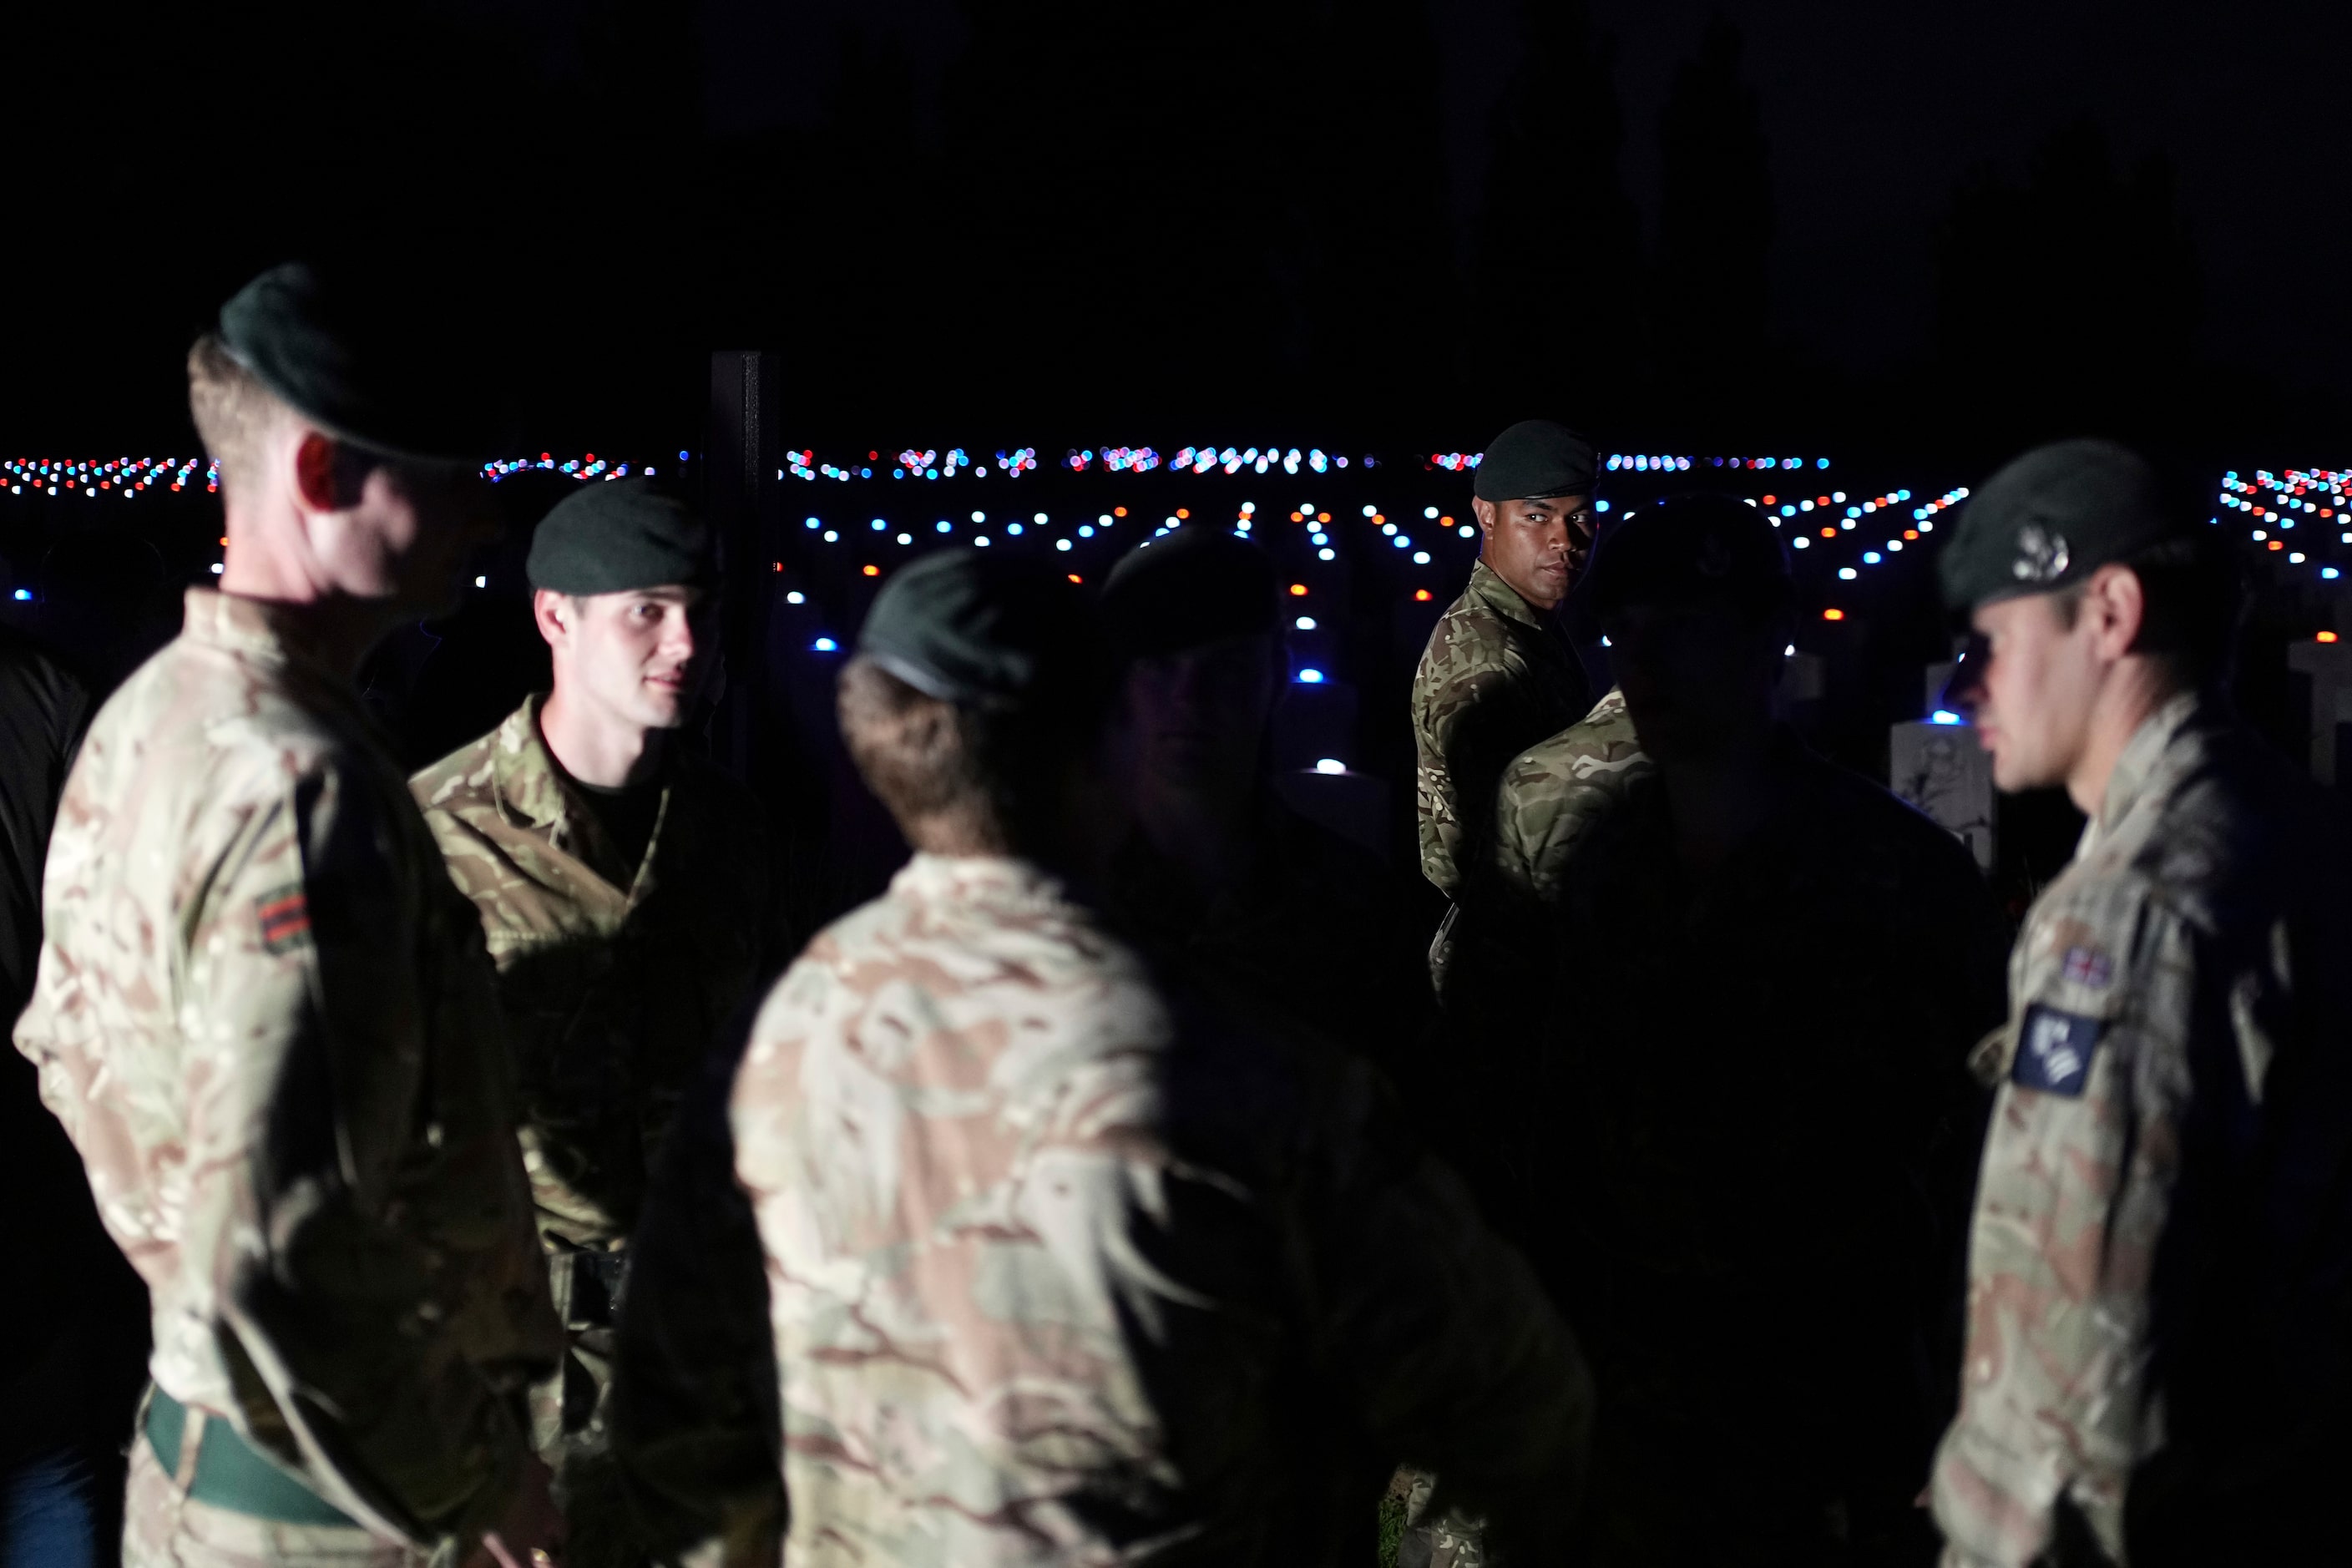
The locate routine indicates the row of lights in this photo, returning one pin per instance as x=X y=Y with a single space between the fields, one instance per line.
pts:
x=2279 y=501
x=125 y=477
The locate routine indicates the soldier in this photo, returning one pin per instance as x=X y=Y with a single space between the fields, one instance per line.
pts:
x=1553 y=793
x=1735 y=1149
x=1498 y=674
x=2155 y=1368
x=1296 y=922
x=1066 y=1267
x=623 y=884
x=265 y=1017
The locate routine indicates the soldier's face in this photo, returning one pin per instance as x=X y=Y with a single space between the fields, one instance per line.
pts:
x=639 y=657
x=1198 y=715
x=2034 y=689
x=1539 y=546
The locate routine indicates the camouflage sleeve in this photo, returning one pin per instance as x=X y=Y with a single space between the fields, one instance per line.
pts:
x=339 y=1233
x=1437 y=1330
x=2079 y=1178
x=1474 y=727
x=694 y=1420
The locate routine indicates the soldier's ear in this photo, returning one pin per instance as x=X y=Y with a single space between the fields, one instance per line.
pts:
x=556 y=615
x=1484 y=511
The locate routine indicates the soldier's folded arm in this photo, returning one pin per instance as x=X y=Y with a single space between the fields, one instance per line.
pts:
x=357 y=1204
x=1457 y=1361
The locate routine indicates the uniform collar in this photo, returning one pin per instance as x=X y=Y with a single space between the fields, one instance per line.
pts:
x=255 y=628
x=2139 y=763
x=530 y=788
x=979 y=878
x=1487 y=588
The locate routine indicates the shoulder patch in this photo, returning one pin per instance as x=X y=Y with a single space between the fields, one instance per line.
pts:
x=2087 y=966
x=284 y=914
x=2054 y=1051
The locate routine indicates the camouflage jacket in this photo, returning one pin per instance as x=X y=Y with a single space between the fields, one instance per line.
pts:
x=265 y=1019
x=1557 y=789
x=1497 y=676
x=1065 y=1270
x=2157 y=1258
x=1550 y=796
x=617 y=980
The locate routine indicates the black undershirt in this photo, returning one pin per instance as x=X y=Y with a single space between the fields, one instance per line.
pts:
x=627 y=815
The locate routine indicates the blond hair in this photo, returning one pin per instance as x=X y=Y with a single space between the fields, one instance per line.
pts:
x=233 y=411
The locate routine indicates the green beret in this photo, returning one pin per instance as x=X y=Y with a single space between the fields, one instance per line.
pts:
x=2052 y=517
x=617 y=536
x=1693 y=548
x=1189 y=586
x=360 y=355
x=1534 y=458
x=989 y=629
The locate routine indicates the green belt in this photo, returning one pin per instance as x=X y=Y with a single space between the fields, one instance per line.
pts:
x=230 y=1474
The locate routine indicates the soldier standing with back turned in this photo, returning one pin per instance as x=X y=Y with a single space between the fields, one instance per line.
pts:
x=265 y=1017
x=1498 y=674
x=2156 y=1362
x=623 y=884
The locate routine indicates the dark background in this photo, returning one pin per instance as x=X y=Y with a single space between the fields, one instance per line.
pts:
x=1930 y=229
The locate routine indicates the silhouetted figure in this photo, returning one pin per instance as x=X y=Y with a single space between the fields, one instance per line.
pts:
x=1290 y=920
x=1743 y=1135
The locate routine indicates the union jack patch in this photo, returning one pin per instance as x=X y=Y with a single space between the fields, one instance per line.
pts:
x=285 y=916
x=2087 y=966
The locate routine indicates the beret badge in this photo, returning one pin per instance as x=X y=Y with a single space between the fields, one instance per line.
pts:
x=2041 y=556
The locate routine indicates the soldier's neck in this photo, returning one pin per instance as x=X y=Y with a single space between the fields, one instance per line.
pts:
x=596 y=748
x=2136 y=688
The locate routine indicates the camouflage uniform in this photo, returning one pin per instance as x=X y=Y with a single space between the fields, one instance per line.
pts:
x=1497 y=677
x=618 y=981
x=1063 y=1269
x=265 y=1019
x=2156 y=1363
x=1554 y=792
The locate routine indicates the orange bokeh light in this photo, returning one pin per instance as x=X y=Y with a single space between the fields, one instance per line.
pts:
x=1829 y=533
x=1910 y=533
x=1119 y=511
x=1075 y=578
x=874 y=570
x=1298 y=589
x=1182 y=514
x=1771 y=501
x=1421 y=595
x=2327 y=637
x=2278 y=544
x=1832 y=615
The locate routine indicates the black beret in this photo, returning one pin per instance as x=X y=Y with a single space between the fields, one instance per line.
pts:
x=991 y=629
x=364 y=357
x=1532 y=458
x=1189 y=586
x=617 y=536
x=1695 y=547
x=2052 y=517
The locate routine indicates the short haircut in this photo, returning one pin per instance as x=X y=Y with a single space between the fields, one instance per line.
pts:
x=232 y=409
x=998 y=769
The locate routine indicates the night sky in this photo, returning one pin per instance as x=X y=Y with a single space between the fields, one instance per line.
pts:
x=1025 y=216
